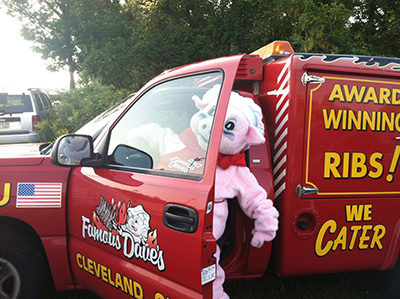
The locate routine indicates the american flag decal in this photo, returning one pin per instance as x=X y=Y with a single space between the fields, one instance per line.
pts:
x=39 y=195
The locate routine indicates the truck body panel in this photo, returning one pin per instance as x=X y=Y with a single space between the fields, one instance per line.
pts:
x=335 y=154
x=47 y=219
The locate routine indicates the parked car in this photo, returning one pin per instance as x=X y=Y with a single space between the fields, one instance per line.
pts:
x=20 y=114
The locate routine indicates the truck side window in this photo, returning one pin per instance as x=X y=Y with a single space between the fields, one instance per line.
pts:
x=160 y=131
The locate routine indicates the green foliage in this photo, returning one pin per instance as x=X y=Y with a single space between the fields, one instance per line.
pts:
x=322 y=28
x=123 y=44
x=376 y=26
x=102 y=30
x=126 y=43
x=75 y=108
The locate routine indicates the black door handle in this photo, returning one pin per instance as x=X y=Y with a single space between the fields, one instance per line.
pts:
x=180 y=218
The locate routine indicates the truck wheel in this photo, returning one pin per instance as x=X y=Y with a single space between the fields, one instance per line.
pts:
x=23 y=267
x=10 y=281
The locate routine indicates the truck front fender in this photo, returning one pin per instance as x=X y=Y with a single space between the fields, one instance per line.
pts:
x=54 y=248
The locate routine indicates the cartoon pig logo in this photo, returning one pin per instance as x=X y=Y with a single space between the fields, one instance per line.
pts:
x=137 y=224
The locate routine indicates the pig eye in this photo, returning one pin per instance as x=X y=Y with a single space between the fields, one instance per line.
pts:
x=230 y=125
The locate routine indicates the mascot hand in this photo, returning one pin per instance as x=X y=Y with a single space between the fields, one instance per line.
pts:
x=260 y=237
x=265 y=228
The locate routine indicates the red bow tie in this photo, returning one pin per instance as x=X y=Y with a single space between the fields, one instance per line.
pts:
x=224 y=161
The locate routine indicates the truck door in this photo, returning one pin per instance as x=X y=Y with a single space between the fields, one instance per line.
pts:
x=351 y=151
x=141 y=224
x=352 y=131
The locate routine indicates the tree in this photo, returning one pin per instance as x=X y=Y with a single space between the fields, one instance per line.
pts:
x=103 y=33
x=48 y=24
x=323 y=27
x=169 y=33
x=375 y=26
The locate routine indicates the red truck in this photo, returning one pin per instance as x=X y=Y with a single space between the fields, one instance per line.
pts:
x=99 y=212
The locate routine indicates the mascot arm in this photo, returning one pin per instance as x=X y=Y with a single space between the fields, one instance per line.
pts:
x=254 y=203
x=153 y=137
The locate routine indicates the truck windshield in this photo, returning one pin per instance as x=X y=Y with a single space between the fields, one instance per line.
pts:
x=97 y=124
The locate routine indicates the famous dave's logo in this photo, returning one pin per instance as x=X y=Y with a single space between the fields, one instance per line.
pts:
x=121 y=226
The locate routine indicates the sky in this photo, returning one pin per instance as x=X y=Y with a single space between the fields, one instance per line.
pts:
x=20 y=67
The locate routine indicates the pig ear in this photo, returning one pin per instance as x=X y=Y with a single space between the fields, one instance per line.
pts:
x=199 y=103
x=254 y=136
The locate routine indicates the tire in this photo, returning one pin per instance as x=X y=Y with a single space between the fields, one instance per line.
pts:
x=23 y=266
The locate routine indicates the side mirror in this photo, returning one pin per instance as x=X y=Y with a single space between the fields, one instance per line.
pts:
x=128 y=156
x=72 y=150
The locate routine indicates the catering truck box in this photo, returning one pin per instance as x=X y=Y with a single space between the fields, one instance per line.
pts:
x=100 y=211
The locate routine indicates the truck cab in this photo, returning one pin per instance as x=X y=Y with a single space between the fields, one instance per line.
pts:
x=108 y=216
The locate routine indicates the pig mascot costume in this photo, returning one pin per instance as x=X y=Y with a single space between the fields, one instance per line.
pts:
x=243 y=127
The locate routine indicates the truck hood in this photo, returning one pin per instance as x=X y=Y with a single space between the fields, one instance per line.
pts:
x=21 y=154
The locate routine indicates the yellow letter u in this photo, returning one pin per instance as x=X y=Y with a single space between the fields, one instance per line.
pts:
x=6 y=196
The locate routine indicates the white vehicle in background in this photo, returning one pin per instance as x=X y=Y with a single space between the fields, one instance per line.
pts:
x=20 y=114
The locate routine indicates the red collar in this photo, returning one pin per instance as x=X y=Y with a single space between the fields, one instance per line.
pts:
x=224 y=161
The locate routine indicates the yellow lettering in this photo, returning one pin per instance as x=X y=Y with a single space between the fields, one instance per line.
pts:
x=395 y=97
x=378 y=121
x=336 y=94
x=90 y=266
x=6 y=195
x=79 y=260
x=344 y=120
x=118 y=281
x=358 y=212
x=84 y=263
x=332 y=119
x=110 y=278
x=358 y=169
x=319 y=250
x=138 y=290
x=354 y=120
x=364 y=238
x=158 y=296
x=354 y=93
x=346 y=165
x=332 y=162
x=354 y=212
x=379 y=233
x=370 y=96
x=128 y=285
x=388 y=122
x=340 y=239
x=384 y=94
x=370 y=120
x=373 y=161
x=367 y=212
x=97 y=268
x=355 y=229
x=104 y=273
x=397 y=122
x=365 y=241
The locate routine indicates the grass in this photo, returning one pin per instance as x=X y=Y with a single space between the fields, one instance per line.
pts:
x=357 y=285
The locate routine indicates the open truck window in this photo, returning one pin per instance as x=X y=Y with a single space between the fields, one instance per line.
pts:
x=167 y=125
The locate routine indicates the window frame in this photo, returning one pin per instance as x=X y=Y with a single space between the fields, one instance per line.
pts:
x=158 y=172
